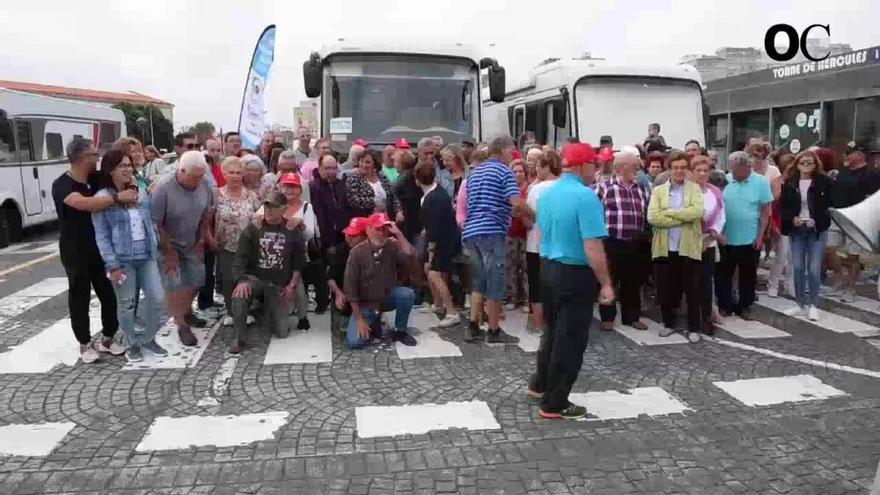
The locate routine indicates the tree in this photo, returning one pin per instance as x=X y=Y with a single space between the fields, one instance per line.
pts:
x=202 y=130
x=162 y=131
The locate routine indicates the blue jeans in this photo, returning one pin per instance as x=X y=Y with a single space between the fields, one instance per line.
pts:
x=140 y=275
x=400 y=299
x=807 y=250
x=488 y=254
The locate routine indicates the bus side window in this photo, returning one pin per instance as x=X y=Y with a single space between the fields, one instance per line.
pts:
x=25 y=150
x=7 y=142
x=54 y=146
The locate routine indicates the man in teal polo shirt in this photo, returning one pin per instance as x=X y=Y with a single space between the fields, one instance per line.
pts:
x=747 y=199
x=571 y=223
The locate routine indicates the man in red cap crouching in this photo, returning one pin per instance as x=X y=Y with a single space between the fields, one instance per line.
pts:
x=372 y=273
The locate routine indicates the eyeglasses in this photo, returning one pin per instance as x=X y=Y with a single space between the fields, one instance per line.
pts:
x=807 y=163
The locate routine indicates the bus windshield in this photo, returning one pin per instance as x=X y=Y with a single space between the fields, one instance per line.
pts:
x=381 y=98
x=623 y=107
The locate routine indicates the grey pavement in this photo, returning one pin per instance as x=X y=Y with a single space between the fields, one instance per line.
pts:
x=718 y=445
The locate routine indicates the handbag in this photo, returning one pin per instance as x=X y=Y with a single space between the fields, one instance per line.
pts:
x=313 y=246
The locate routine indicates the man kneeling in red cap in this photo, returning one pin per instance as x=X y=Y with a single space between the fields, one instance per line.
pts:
x=372 y=273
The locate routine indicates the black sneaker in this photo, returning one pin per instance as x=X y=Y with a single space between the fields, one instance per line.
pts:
x=498 y=336
x=533 y=390
x=186 y=336
x=472 y=332
x=303 y=324
x=405 y=339
x=571 y=412
x=194 y=321
x=320 y=310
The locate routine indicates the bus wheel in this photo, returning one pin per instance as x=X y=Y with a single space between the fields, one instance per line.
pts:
x=11 y=223
x=4 y=232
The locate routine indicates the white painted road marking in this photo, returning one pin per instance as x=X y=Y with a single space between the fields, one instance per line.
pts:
x=32 y=439
x=515 y=324
x=179 y=355
x=430 y=345
x=388 y=421
x=25 y=299
x=24 y=248
x=862 y=303
x=312 y=346
x=168 y=433
x=651 y=336
x=750 y=329
x=797 y=359
x=220 y=383
x=50 y=347
x=611 y=404
x=828 y=321
x=778 y=390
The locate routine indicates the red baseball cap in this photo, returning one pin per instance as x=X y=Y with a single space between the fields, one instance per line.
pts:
x=360 y=142
x=356 y=227
x=576 y=154
x=605 y=155
x=517 y=155
x=402 y=144
x=378 y=220
x=290 y=179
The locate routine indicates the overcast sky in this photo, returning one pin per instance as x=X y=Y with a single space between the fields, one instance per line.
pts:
x=195 y=54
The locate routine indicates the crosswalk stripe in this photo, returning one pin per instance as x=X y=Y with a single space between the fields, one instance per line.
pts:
x=50 y=347
x=515 y=324
x=31 y=248
x=632 y=403
x=30 y=296
x=429 y=342
x=750 y=329
x=651 y=336
x=312 y=346
x=416 y=419
x=167 y=433
x=179 y=355
x=828 y=321
x=862 y=303
x=778 y=390
x=38 y=439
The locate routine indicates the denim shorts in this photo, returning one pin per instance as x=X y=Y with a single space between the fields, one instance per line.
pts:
x=488 y=255
x=190 y=272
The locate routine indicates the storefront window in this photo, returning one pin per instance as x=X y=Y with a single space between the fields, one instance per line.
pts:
x=747 y=125
x=797 y=128
x=839 y=119
x=718 y=127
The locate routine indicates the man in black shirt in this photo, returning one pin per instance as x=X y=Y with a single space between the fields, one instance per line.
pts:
x=73 y=194
x=268 y=265
x=854 y=184
x=340 y=310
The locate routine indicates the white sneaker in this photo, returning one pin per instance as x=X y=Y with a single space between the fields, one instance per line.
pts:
x=526 y=309
x=510 y=306
x=227 y=321
x=88 y=354
x=773 y=290
x=449 y=321
x=110 y=345
x=796 y=311
x=813 y=313
x=848 y=296
x=251 y=320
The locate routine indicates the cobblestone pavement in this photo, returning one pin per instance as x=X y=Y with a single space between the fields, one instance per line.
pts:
x=824 y=440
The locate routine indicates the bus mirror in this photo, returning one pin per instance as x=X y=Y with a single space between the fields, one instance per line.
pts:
x=560 y=116
x=312 y=69
x=496 y=83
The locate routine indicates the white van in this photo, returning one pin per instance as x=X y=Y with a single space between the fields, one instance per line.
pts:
x=34 y=133
x=590 y=98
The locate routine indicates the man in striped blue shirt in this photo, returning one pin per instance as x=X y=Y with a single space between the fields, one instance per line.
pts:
x=492 y=197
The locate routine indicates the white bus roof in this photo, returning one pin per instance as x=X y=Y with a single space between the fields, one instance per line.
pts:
x=21 y=104
x=565 y=72
x=445 y=49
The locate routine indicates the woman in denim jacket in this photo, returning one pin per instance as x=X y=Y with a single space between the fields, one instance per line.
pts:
x=127 y=240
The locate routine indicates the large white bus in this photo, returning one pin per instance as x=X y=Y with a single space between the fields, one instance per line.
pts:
x=383 y=92
x=34 y=132
x=587 y=99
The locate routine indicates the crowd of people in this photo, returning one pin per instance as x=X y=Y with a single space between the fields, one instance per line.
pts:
x=460 y=230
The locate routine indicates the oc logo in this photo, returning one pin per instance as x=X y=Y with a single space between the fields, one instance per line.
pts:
x=795 y=41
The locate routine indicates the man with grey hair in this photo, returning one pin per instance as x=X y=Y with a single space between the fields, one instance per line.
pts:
x=427 y=155
x=74 y=196
x=747 y=200
x=626 y=216
x=354 y=154
x=182 y=212
x=287 y=164
x=303 y=150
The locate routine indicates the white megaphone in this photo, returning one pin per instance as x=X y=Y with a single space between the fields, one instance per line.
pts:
x=861 y=222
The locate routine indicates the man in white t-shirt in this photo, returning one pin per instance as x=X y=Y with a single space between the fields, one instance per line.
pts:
x=759 y=149
x=548 y=167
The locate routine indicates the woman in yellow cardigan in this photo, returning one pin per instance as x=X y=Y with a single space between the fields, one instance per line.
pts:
x=676 y=213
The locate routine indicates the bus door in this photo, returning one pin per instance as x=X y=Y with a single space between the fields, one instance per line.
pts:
x=28 y=170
